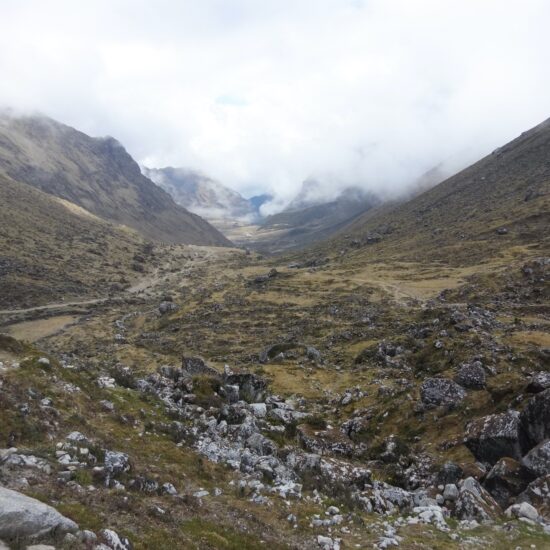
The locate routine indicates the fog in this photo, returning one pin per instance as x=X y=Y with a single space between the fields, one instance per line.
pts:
x=264 y=95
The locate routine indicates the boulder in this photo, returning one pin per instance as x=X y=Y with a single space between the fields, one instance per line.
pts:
x=537 y=460
x=506 y=479
x=23 y=517
x=538 y=494
x=252 y=388
x=523 y=510
x=495 y=436
x=441 y=391
x=540 y=381
x=195 y=366
x=471 y=375
x=535 y=419
x=474 y=502
x=167 y=307
x=450 y=473
x=115 y=463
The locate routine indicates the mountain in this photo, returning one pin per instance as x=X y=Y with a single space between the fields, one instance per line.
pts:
x=308 y=219
x=503 y=200
x=201 y=194
x=98 y=175
x=52 y=250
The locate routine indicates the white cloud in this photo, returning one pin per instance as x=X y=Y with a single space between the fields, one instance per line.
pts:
x=262 y=95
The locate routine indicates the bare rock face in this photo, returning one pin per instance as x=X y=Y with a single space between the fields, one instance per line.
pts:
x=506 y=479
x=495 y=436
x=441 y=391
x=22 y=517
x=535 y=419
x=474 y=502
x=537 y=460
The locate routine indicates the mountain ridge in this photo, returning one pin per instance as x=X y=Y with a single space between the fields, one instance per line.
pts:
x=97 y=174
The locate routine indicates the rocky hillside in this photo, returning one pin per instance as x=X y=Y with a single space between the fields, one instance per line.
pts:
x=98 y=175
x=497 y=203
x=201 y=194
x=387 y=389
x=52 y=250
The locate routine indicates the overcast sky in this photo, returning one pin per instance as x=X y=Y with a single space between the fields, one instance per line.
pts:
x=262 y=94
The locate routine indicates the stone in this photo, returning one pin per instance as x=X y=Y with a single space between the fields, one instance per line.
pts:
x=537 y=460
x=252 y=388
x=167 y=307
x=471 y=375
x=450 y=473
x=259 y=410
x=23 y=517
x=115 y=464
x=540 y=381
x=112 y=540
x=450 y=492
x=506 y=479
x=535 y=419
x=523 y=510
x=326 y=543
x=475 y=503
x=195 y=366
x=168 y=489
x=435 y=392
x=495 y=436
x=538 y=494
x=231 y=393
x=313 y=354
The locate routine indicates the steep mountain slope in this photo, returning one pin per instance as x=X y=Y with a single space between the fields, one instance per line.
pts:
x=201 y=194
x=98 y=175
x=52 y=250
x=503 y=200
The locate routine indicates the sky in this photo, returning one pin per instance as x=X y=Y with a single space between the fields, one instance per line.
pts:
x=264 y=94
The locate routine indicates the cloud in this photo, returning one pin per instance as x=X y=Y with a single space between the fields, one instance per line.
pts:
x=263 y=95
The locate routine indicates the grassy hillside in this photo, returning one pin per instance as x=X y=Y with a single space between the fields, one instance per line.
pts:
x=51 y=249
x=501 y=201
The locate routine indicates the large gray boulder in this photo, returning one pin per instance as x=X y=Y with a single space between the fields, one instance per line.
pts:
x=537 y=460
x=506 y=479
x=535 y=419
x=474 y=502
x=441 y=391
x=23 y=517
x=495 y=436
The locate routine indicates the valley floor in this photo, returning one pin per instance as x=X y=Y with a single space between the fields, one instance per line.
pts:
x=346 y=444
